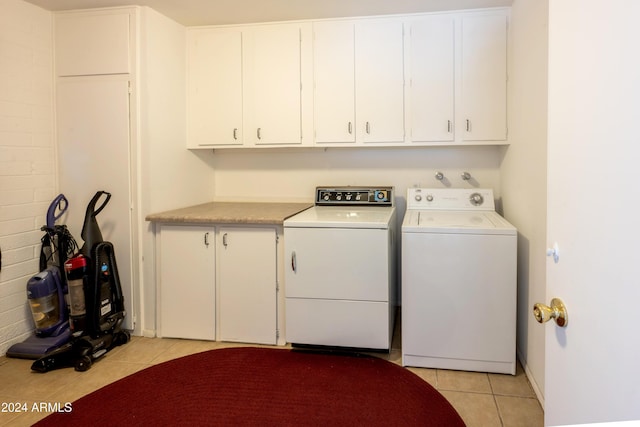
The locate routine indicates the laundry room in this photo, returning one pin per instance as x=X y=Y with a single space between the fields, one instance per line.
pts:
x=259 y=114
x=175 y=158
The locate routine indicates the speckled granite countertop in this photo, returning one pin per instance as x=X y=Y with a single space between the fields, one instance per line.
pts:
x=231 y=213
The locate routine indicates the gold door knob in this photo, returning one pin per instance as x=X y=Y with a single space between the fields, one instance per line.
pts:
x=557 y=311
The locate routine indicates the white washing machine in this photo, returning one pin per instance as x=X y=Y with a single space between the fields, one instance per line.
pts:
x=458 y=282
x=340 y=269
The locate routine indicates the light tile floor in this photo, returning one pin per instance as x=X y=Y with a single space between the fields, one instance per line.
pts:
x=481 y=399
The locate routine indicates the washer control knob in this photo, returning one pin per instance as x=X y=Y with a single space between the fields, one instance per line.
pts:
x=476 y=199
x=418 y=197
x=430 y=198
x=326 y=196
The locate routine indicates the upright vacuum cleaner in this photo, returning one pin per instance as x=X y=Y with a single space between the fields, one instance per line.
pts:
x=95 y=299
x=47 y=291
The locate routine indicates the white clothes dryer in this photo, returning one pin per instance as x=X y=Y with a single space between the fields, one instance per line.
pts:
x=340 y=269
x=458 y=282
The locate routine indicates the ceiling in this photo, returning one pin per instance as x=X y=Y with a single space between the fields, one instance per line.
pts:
x=218 y=12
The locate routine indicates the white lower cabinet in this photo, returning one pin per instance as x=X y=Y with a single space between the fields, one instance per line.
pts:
x=247 y=284
x=218 y=282
x=187 y=298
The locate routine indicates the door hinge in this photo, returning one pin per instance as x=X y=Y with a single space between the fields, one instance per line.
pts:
x=277 y=333
x=277 y=286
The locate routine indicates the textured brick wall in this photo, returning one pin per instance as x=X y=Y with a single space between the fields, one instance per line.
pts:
x=27 y=156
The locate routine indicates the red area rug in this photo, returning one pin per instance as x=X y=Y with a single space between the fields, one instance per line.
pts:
x=264 y=387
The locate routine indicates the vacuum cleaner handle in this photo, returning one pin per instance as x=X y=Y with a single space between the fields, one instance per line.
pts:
x=92 y=204
x=91 y=233
x=61 y=203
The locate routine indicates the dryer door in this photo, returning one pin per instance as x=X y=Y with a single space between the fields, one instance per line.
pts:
x=344 y=264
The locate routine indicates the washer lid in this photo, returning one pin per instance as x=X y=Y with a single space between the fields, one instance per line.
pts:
x=467 y=222
x=343 y=217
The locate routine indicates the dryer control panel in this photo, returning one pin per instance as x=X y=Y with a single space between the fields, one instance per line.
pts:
x=354 y=196
x=450 y=199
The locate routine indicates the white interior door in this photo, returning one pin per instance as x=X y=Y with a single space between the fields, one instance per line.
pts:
x=93 y=154
x=592 y=369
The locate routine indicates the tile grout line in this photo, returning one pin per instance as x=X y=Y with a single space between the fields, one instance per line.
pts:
x=495 y=401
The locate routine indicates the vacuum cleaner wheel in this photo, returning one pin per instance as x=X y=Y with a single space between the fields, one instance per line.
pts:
x=83 y=364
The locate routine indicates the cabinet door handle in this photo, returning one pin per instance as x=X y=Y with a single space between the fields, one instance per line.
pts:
x=468 y=125
x=206 y=239
x=449 y=126
x=294 y=263
x=368 y=128
x=350 y=128
x=259 y=133
x=224 y=240
x=235 y=133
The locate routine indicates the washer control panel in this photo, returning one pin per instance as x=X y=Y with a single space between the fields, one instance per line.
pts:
x=450 y=199
x=347 y=196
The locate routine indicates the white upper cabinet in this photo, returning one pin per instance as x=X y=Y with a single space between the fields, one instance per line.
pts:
x=214 y=94
x=484 y=77
x=244 y=86
x=359 y=81
x=272 y=84
x=380 y=81
x=458 y=82
x=432 y=64
x=334 y=81
x=93 y=43
x=423 y=79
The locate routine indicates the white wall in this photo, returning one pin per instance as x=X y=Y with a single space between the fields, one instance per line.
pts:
x=524 y=173
x=170 y=175
x=293 y=174
x=27 y=156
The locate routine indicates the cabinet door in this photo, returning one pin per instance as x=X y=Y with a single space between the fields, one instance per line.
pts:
x=379 y=80
x=93 y=141
x=321 y=262
x=247 y=279
x=432 y=78
x=92 y=43
x=484 y=77
x=186 y=297
x=214 y=114
x=272 y=90
x=334 y=86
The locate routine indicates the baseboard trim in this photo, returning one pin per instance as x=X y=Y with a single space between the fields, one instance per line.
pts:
x=532 y=381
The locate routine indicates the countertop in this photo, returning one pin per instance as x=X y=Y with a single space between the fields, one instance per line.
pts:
x=231 y=213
